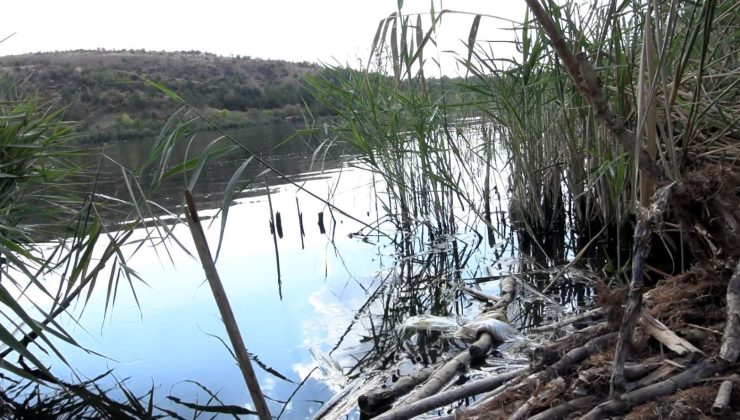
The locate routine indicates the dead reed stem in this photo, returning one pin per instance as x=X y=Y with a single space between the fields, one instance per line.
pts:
x=274 y=239
x=222 y=301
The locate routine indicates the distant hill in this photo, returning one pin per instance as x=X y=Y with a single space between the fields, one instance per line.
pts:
x=102 y=89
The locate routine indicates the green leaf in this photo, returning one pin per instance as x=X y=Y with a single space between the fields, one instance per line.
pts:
x=472 y=36
x=228 y=196
x=164 y=89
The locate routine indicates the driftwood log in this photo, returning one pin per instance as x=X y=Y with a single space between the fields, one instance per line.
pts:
x=663 y=372
x=568 y=361
x=554 y=388
x=549 y=353
x=460 y=362
x=579 y=354
x=374 y=402
x=682 y=380
x=635 y=371
x=658 y=382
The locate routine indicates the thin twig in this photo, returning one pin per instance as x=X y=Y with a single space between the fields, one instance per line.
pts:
x=593 y=313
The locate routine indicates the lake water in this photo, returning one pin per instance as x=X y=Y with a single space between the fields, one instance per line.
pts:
x=338 y=290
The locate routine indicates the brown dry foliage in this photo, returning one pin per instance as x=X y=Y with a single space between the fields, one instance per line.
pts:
x=612 y=299
x=692 y=403
x=694 y=297
x=707 y=205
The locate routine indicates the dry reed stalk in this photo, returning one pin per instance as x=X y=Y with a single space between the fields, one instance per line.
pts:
x=222 y=301
x=588 y=83
x=274 y=239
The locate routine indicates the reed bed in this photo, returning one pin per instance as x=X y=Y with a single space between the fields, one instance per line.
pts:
x=668 y=70
x=582 y=146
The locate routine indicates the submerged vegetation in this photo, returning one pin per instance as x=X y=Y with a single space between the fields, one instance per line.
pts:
x=528 y=173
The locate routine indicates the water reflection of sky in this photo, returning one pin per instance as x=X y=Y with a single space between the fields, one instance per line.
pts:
x=171 y=338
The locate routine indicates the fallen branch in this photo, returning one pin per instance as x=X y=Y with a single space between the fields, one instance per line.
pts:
x=478 y=294
x=643 y=233
x=731 y=340
x=479 y=348
x=375 y=401
x=661 y=373
x=727 y=356
x=635 y=371
x=633 y=308
x=468 y=390
x=444 y=374
x=549 y=353
x=572 y=358
x=579 y=354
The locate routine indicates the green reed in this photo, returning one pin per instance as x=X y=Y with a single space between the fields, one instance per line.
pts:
x=59 y=240
x=667 y=69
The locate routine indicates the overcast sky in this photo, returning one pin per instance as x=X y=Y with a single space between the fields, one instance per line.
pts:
x=295 y=30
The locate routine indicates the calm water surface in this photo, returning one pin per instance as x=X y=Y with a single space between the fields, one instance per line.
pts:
x=167 y=332
x=171 y=334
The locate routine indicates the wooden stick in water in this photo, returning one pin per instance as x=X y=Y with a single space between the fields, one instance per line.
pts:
x=219 y=294
x=300 y=222
x=274 y=239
